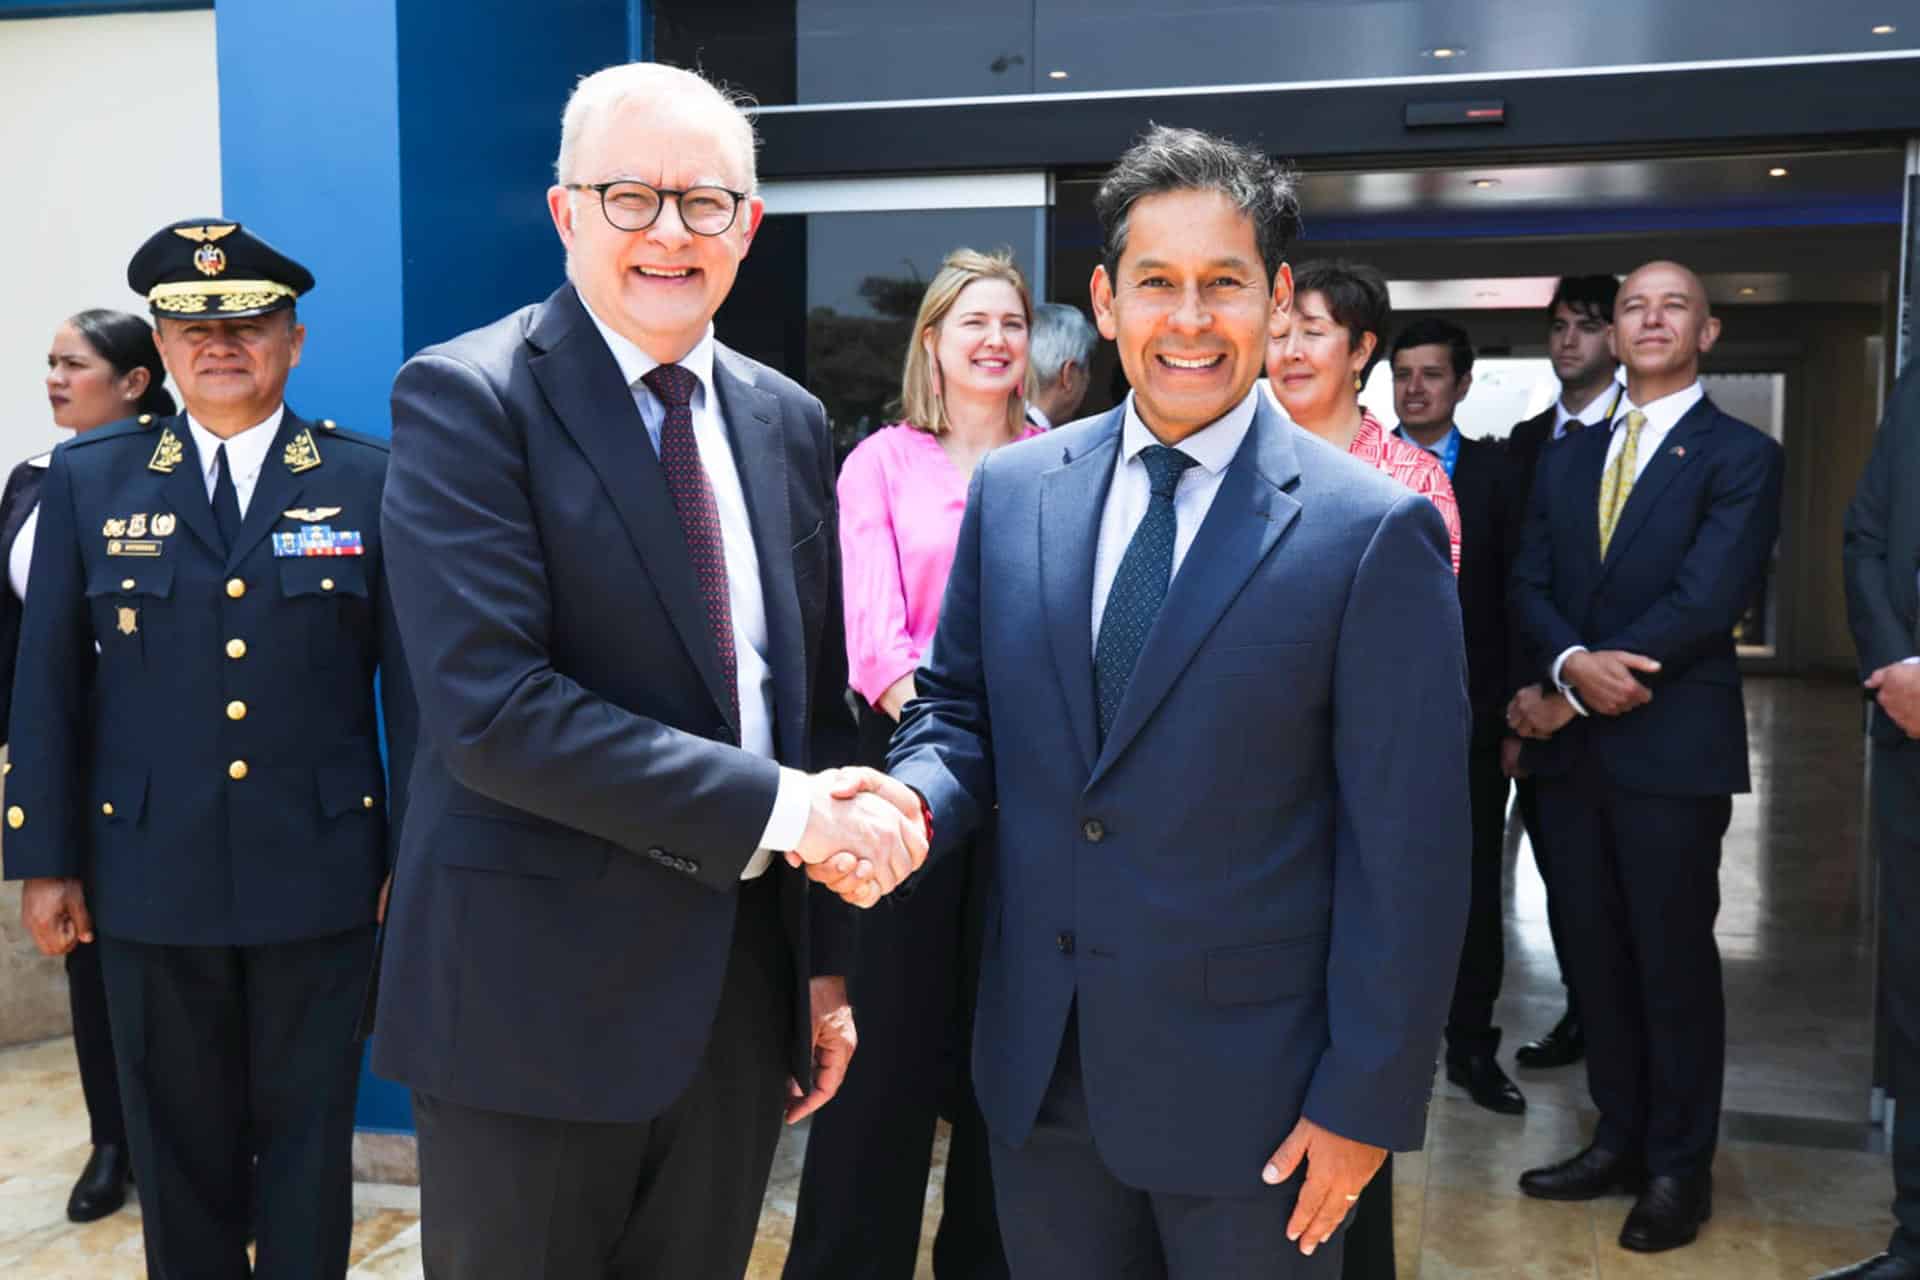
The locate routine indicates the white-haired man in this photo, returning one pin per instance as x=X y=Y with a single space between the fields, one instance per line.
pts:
x=615 y=547
x=1061 y=353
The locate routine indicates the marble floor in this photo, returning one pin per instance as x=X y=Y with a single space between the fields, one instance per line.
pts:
x=1801 y=1182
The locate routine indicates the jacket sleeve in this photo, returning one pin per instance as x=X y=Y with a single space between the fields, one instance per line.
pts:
x=1543 y=632
x=400 y=717
x=1723 y=566
x=1401 y=835
x=1880 y=635
x=52 y=684
x=10 y=515
x=470 y=593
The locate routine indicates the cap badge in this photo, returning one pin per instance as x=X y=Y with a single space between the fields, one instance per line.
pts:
x=209 y=260
x=301 y=454
x=166 y=454
x=207 y=234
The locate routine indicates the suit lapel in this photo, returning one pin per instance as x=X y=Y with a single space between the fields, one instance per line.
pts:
x=1073 y=497
x=1676 y=451
x=278 y=486
x=185 y=487
x=595 y=408
x=1249 y=513
x=755 y=432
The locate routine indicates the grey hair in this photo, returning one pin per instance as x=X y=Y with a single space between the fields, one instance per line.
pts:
x=1168 y=159
x=1061 y=336
x=601 y=92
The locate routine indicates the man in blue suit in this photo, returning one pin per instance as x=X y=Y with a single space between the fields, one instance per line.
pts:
x=1231 y=806
x=1644 y=545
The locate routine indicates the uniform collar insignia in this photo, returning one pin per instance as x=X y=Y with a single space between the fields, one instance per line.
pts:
x=167 y=454
x=301 y=453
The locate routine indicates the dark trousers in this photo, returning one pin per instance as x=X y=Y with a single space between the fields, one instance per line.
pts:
x=1527 y=792
x=1065 y=1216
x=1369 y=1230
x=676 y=1197
x=93 y=1046
x=1644 y=871
x=238 y=1068
x=1483 y=955
x=864 y=1189
x=1896 y=812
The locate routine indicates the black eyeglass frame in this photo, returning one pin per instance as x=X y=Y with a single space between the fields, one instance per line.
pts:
x=601 y=188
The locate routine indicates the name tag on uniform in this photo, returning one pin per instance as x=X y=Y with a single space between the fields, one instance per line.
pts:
x=318 y=540
x=132 y=547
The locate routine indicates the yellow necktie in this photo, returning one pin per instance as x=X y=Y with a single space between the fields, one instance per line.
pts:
x=1618 y=482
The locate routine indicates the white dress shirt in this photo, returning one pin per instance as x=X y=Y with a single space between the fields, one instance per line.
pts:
x=20 y=558
x=1663 y=415
x=1038 y=417
x=246 y=453
x=1598 y=410
x=788 y=821
x=1212 y=448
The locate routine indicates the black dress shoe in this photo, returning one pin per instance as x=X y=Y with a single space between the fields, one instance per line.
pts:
x=1668 y=1213
x=1563 y=1046
x=1480 y=1075
x=1881 y=1266
x=102 y=1188
x=1588 y=1176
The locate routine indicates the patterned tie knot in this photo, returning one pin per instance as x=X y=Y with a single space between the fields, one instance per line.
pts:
x=1164 y=468
x=1635 y=420
x=673 y=383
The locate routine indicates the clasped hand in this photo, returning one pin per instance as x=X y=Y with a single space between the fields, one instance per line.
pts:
x=865 y=834
x=1606 y=682
x=1897 y=689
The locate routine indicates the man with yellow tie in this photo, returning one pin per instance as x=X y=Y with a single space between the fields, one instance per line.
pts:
x=1644 y=545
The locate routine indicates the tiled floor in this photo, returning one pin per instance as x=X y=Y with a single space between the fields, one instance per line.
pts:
x=1799 y=1184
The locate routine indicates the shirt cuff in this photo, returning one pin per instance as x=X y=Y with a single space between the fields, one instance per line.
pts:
x=1914 y=658
x=788 y=822
x=1573 y=699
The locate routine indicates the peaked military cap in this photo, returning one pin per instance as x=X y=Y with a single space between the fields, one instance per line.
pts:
x=209 y=267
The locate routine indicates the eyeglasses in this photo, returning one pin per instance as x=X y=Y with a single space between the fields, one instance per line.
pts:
x=635 y=206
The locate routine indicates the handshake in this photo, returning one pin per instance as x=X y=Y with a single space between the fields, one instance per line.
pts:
x=865 y=834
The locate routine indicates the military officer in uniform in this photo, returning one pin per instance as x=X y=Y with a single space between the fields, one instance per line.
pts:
x=204 y=799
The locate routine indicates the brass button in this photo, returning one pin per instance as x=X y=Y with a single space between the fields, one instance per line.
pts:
x=326 y=584
x=236 y=710
x=236 y=588
x=146 y=419
x=107 y=809
x=126 y=584
x=16 y=817
x=237 y=770
x=327 y=424
x=366 y=802
x=236 y=649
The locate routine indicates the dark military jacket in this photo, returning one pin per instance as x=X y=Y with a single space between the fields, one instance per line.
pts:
x=194 y=728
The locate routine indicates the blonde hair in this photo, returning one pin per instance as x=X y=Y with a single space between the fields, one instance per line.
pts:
x=598 y=94
x=921 y=404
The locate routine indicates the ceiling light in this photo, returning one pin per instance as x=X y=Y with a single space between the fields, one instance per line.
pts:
x=1747 y=291
x=1776 y=172
x=1056 y=75
x=1885 y=29
x=1484 y=183
x=1443 y=51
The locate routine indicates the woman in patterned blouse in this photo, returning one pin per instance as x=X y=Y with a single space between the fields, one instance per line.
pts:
x=1317 y=361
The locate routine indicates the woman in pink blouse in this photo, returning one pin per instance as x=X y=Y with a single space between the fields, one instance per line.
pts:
x=1317 y=364
x=902 y=493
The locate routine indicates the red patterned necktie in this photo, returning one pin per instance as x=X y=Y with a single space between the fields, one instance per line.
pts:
x=699 y=514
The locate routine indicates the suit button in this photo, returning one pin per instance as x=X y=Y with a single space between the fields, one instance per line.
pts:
x=236 y=649
x=1064 y=941
x=236 y=710
x=107 y=810
x=126 y=584
x=237 y=770
x=1094 y=830
x=235 y=588
x=16 y=817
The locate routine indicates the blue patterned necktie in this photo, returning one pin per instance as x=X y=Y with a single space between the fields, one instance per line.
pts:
x=1139 y=586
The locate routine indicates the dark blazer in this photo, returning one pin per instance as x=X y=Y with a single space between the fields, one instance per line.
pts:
x=1687 y=558
x=565 y=901
x=16 y=504
x=211 y=794
x=1485 y=486
x=1881 y=548
x=1255 y=888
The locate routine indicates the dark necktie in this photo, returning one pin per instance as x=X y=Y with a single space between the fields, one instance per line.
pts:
x=699 y=514
x=226 y=501
x=1139 y=586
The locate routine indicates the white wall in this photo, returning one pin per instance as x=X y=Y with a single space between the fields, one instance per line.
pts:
x=109 y=130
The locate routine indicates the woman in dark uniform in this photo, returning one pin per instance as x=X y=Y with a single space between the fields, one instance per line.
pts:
x=101 y=368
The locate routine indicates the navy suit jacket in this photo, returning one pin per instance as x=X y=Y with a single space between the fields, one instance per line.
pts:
x=564 y=905
x=1688 y=556
x=210 y=795
x=1881 y=550
x=1255 y=888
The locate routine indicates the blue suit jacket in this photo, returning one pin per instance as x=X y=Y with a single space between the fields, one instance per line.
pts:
x=1687 y=559
x=131 y=708
x=565 y=898
x=1256 y=887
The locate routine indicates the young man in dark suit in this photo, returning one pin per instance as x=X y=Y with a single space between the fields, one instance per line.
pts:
x=1432 y=362
x=1632 y=578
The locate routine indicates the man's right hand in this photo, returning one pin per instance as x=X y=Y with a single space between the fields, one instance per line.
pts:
x=54 y=910
x=1896 y=688
x=1605 y=680
x=849 y=815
